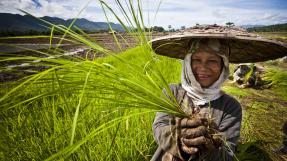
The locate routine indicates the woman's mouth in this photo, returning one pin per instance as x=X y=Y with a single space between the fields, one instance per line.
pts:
x=202 y=76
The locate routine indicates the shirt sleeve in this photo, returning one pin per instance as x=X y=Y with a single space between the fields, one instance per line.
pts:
x=165 y=130
x=165 y=134
x=230 y=127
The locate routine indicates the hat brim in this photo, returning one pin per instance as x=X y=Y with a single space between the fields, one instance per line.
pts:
x=243 y=49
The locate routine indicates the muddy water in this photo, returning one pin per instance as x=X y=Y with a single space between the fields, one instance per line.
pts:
x=10 y=71
x=18 y=47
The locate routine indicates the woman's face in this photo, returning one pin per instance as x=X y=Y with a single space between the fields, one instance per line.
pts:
x=206 y=67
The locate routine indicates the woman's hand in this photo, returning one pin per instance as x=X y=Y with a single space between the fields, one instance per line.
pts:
x=194 y=135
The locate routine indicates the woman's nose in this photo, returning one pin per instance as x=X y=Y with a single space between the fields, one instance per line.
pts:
x=203 y=66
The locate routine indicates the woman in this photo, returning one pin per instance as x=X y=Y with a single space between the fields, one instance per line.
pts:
x=213 y=128
x=204 y=70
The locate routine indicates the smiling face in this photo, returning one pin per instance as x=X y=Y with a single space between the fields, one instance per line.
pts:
x=206 y=67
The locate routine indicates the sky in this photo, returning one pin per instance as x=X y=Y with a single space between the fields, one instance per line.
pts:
x=163 y=13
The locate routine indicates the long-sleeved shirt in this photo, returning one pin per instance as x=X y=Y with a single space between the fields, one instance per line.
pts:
x=227 y=114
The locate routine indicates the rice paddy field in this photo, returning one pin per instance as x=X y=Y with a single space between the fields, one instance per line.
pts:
x=37 y=118
x=90 y=107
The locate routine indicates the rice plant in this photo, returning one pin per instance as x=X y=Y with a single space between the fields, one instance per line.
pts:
x=76 y=102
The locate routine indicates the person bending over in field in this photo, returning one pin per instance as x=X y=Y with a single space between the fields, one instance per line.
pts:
x=247 y=75
x=212 y=131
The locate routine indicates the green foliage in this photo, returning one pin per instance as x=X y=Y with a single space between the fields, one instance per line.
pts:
x=276 y=76
x=261 y=123
x=235 y=91
x=157 y=29
x=270 y=28
x=229 y=24
x=277 y=79
x=249 y=73
x=252 y=151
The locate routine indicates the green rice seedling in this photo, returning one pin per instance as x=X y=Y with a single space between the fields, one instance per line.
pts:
x=108 y=90
x=249 y=73
x=275 y=76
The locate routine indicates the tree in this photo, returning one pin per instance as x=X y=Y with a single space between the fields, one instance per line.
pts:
x=169 y=27
x=182 y=27
x=229 y=24
x=158 y=29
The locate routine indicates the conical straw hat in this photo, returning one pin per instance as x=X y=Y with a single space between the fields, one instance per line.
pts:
x=244 y=47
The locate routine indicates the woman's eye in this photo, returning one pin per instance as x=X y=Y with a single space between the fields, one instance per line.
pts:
x=195 y=60
x=213 y=61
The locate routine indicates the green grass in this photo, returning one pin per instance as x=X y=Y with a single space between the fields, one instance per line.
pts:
x=261 y=129
x=235 y=91
x=281 y=36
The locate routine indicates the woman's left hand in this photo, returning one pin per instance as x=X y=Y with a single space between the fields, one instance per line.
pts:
x=196 y=135
x=195 y=144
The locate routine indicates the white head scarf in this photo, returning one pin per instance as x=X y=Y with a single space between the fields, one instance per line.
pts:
x=199 y=95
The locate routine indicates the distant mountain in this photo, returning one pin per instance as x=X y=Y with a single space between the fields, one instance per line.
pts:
x=250 y=26
x=15 y=22
x=270 y=28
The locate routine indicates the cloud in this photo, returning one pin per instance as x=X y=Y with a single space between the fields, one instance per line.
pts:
x=11 y=6
x=208 y=12
x=268 y=17
x=37 y=4
x=39 y=8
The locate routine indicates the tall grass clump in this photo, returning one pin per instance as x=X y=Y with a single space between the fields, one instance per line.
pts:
x=87 y=109
x=276 y=78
